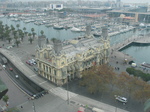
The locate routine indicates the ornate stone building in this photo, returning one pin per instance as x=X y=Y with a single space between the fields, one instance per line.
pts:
x=59 y=61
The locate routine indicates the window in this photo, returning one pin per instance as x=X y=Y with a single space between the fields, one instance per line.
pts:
x=45 y=55
x=46 y=68
x=50 y=70
x=62 y=63
x=55 y=73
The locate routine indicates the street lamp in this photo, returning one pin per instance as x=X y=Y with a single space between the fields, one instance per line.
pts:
x=67 y=88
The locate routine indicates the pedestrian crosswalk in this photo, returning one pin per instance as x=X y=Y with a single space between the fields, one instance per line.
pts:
x=62 y=93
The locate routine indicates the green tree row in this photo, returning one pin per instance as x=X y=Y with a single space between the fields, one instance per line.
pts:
x=9 y=33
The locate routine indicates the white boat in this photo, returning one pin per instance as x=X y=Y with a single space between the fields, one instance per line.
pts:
x=1 y=16
x=49 y=25
x=74 y=29
x=57 y=26
x=97 y=34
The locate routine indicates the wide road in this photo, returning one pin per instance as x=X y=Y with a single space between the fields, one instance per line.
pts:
x=16 y=96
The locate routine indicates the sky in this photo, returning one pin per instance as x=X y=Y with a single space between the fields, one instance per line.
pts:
x=129 y=1
x=125 y=1
x=136 y=1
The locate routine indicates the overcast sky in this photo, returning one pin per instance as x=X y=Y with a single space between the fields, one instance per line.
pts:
x=129 y=1
x=126 y=1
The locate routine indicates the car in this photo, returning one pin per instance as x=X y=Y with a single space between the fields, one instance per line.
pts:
x=17 y=76
x=121 y=99
x=4 y=66
x=34 y=62
x=36 y=69
x=8 y=47
x=11 y=69
x=29 y=62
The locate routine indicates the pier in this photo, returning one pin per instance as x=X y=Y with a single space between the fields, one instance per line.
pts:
x=134 y=39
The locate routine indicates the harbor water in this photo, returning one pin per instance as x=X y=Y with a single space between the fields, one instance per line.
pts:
x=139 y=53
x=49 y=32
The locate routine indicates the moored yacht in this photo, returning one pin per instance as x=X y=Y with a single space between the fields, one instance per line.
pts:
x=74 y=29
x=57 y=26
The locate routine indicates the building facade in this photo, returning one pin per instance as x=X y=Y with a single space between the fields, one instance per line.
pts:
x=62 y=61
x=56 y=6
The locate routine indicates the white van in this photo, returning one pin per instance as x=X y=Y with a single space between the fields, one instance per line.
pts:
x=4 y=66
x=94 y=109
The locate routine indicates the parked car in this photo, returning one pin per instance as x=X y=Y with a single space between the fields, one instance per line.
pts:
x=17 y=76
x=34 y=62
x=36 y=69
x=8 y=47
x=121 y=99
x=11 y=69
x=29 y=62
x=4 y=66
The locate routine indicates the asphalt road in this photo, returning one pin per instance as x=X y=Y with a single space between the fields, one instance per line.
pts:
x=16 y=96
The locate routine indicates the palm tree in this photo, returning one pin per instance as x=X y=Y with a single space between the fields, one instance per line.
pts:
x=33 y=34
x=17 y=42
x=1 y=31
x=42 y=32
x=9 y=39
x=32 y=30
x=24 y=29
x=6 y=27
x=14 y=33
x=22 y=36
x=1 y=23
x=18 y=26
x=30 y=39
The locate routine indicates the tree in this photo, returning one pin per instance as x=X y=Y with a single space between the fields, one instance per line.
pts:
x=97 y=78
x=142 y=90
x=91 y=81
x=30 y=39
x=53 y=39
x=17 y=42
x=42 y=33
x=9 y=39
x=5 y=99
x=24 y=29
x=14 y=33
x=32 y=30
x=18 y=26
x=22 y=36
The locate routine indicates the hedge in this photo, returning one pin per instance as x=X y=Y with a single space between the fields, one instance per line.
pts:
x=138 y=73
